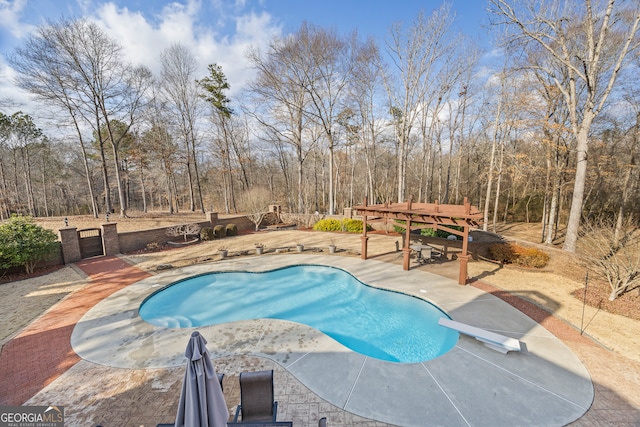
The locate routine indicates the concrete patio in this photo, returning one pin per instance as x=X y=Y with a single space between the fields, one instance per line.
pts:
x=470 y=385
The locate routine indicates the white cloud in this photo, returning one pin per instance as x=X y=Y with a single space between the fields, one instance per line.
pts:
x=219 y=34
x=189 y=25
x=12 y=98
x=10 y=17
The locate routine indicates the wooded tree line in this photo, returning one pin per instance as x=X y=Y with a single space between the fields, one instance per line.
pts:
x=549 y=135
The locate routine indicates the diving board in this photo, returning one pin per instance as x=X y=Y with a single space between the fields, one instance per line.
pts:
x=492 y=340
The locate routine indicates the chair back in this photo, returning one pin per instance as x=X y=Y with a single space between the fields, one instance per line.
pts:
x=256 y=396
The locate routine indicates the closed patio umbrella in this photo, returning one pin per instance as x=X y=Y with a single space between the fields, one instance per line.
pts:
x=202 y=403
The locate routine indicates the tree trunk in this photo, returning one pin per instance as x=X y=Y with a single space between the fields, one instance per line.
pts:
x=192 y=202
x=553 y=209
x=498 y=182
x=45 y=198
x=487 y=200
x=618 y=232
x=195 y=170
x=85 y=161
x=116 y=163
x=27 y=181
x=143 y=190
x=575 y=213
x=402 y=148
x=332 y=201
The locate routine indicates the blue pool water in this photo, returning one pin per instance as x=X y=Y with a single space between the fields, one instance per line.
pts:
x=386 y=325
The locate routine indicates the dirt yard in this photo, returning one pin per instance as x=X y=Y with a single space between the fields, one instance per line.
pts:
x=134 y=220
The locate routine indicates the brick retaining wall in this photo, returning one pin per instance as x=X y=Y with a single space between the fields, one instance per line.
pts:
x=136 y=240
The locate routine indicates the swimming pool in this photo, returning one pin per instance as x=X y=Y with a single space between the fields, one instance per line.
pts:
x=382 y=324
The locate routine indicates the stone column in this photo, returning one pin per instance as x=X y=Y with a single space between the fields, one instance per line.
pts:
x=70 y=244
x=110 y=240
x=213 y=218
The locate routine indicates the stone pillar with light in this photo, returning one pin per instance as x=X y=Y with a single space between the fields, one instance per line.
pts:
x=110 y=239
x=70 y=242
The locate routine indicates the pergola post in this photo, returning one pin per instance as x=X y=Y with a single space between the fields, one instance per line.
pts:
x=364 y=238
x=462 y=279
x=363 y=245
x=406 y=250
x=464 y=257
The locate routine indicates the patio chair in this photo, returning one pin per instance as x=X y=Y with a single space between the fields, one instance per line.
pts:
x=256 y=397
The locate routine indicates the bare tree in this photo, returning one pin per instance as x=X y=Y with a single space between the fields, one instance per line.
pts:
x=555 y=138
x=588 y=42
x=280 y=100
x=46 y=71
x=104 y=93
x=255 y=203
x=617 y=263
x=162 y=149
x=364 y=91
x=630 y=169
x=495 y=141
x=214 y=86
x=330 y=60
x=183 y=230
x=419 y=54
x=180 y=89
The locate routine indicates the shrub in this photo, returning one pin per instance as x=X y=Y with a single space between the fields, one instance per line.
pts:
x=530 y=257
x=347 y=224
x=397 y=228
x=429 y=232
x=153 y=246
x=232 y=230
x=23 y=242
x=328 y=224
x=511 y=253
x=353 y=225
x=207 y=233
x=219 y=231
x=502 y=252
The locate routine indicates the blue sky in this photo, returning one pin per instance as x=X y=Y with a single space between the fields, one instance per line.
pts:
x=217 y=31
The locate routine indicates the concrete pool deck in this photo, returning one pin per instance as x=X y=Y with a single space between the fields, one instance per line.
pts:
x=470 y=385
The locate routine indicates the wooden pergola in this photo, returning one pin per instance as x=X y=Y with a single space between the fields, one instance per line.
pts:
x=424 y=215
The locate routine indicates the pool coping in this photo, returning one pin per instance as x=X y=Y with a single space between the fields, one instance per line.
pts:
x=469 y=385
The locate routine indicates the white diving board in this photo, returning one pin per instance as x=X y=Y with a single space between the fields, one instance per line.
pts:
x=492 y=340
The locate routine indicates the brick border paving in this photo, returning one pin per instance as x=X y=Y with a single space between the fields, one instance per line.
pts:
x=42 y=351
x=558 y=327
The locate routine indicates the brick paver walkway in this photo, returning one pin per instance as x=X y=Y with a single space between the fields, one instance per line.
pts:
x=42 y=351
